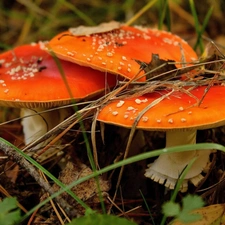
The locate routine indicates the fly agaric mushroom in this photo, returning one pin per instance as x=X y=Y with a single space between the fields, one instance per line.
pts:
x=119 y=49
x=179 y=116
x=30 y=79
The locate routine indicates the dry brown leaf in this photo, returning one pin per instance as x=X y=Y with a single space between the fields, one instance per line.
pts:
x=86 y=191
x=11 y=171
x=101 y=28
x=211 y=215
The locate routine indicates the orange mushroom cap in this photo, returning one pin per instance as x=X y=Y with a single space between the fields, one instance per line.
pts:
x=30 y=77
x=116 y=50
x=178 y=111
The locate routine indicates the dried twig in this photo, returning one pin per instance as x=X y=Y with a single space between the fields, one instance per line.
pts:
x=10 y=151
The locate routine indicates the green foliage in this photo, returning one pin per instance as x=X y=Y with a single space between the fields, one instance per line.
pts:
x=164 y=14
x=184 y=213
x=199 y=30
x=99 y=219
x=9 y=212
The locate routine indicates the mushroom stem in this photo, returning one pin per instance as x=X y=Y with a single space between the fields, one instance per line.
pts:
x=36 y=124
x=168 y=167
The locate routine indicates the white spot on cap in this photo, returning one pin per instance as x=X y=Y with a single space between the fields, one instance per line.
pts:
x=181 y=108
x=170 y=120
x=8 y=64
x=190 y=112
x=124 y=58
x=70 y=54
x=144 y=118
x=167 y=40
x=176 y=43
x=130 y=108
x=144 y=100
x=109 y=54
x=115 y=113
x=138 y=101
x=120 y=103
x=125 y=116
x=158 y=120
x=183 y=120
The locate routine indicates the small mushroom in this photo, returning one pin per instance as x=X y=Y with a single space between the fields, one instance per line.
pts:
x=30 y=79
x=181 y=117
x=119 y=50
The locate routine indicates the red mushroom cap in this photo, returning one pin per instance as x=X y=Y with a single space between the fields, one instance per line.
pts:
x=116 y=50
x=30 y=77
x=178 y=111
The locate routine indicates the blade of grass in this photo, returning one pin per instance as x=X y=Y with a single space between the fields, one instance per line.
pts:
x=88 y=148
x=178 y=185
x=164 y=14
x=128 y=161
x=205 y=23
x=146 y=204
x=5 y=144
x=79 y=13
x=141 y=12
x=199 y=30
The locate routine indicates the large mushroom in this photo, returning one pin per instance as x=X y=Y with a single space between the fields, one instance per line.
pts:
x=30 y=79
x=179 y=115
x=120 y=49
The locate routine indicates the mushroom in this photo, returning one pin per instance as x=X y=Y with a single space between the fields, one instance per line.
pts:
x=120 y=49
x=180 y=117
x=30 y=79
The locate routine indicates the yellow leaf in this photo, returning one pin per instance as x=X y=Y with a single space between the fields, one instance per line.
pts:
x=211 y=215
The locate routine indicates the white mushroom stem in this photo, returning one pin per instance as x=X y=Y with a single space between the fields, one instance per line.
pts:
x=36 y=125
x=167 y=168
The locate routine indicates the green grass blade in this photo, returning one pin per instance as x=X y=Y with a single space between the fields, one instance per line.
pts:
x=178 y=185
x=199 y=30
x=141 y=12
x=146 y=204
x=199 y=37
x=87 y=144
x=133 y=159
x=164 y=14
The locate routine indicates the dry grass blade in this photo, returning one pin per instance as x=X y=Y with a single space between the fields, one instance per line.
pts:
x=132 y=134
x=93 y=139
x=10 y=151
x=6 y=193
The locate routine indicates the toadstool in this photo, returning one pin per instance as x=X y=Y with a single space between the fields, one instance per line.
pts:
x=30 y=79
x=180 y=117
x=118 y=50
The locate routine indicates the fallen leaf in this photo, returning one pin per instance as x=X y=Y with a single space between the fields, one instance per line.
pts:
x=211 y=215
x=101 y=28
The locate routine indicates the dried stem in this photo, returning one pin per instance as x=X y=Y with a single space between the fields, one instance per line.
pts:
x=10 y=151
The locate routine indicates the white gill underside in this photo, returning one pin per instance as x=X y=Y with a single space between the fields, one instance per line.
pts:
x=167 y=168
